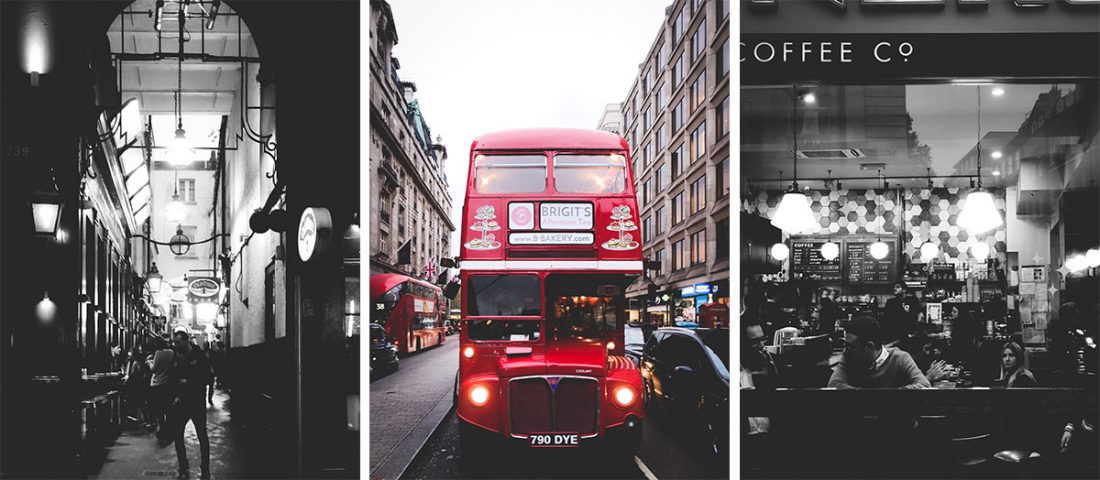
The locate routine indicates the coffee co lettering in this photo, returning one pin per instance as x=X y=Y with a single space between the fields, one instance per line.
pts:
x=821 y=52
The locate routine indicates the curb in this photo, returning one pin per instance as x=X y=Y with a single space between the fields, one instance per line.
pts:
x=399 y=460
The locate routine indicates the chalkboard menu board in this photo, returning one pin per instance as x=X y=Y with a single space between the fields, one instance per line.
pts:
x=807 y=262
x=863 y=268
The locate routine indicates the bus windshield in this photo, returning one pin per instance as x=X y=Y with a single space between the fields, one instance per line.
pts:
x=510 y=173
x=577 y=310
x=502 y=295
x=590 y=173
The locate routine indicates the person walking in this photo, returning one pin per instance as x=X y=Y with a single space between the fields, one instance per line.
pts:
x=191 y=371
x=160 y=388
x=137 y=385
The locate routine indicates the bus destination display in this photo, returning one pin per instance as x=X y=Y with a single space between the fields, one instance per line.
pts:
x=807 y=262
x=863 y=268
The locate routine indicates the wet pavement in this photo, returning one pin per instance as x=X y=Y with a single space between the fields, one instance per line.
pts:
x=136 y=453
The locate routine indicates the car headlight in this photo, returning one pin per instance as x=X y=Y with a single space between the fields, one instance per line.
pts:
x=624 y=396
x=479 y=395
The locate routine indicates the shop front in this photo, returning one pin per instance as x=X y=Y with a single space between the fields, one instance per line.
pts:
x=933 y=166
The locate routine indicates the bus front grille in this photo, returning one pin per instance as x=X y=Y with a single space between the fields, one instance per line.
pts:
x=554 y=404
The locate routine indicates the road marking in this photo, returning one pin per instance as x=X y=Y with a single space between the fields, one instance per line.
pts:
x=645 y=470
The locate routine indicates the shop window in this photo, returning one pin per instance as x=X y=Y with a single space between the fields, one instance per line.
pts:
x=698 y=194
x=722 y=236
x=699 y=247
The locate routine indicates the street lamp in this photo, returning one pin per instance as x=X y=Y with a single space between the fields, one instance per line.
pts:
x=179 y=244
x=46 y=209
x=176 y=211
x=153 y=278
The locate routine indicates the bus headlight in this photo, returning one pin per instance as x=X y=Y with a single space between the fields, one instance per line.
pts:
x=624 y=396
x=468 y=352
x=611 y=345
x=479 y=396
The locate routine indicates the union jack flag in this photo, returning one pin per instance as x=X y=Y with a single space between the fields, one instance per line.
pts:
x=429 y=269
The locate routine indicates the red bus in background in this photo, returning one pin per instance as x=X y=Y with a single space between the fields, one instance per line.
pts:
x=411 y=310
x=550 y=241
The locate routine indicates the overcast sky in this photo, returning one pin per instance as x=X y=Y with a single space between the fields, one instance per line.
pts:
x=487 y=65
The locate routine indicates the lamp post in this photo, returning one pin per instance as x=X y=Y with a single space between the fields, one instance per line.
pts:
x=153 y=278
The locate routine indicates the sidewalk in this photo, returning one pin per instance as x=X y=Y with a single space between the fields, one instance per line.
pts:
x=406 y=406
x=135 y=454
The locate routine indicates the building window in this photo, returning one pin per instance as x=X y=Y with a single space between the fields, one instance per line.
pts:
x=699 y=247
x=698 y=192
x=678 y=71
x=626 y=117
x=659 y=221
x=678 y=208
x=724 y=59
x=647 y=118
x=663 y=97
x=383 y=242
x=722 y=231
x=661 y=137
x=648 y=80
x=678 y=26
x=723 y=9
x=699 y=42
x=187 y=190
x=699 y=91
x=647 y=229
x=722 y=170
x=678 y=161
x=658 y=179
x=662 y=57
x=659 y=257
x=723 y=118
x=695 y=4
x=645 y=192
x=650 y=158
x=698 y=141
x=677 y=255
x=384 y=208
x=678 y=116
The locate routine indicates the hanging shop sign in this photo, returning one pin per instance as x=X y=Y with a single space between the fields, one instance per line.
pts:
x=314 y=230
x=203 y=289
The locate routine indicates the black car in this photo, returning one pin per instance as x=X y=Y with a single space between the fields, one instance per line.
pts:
x=450 y=327
x=686 y=375
x=383 y=353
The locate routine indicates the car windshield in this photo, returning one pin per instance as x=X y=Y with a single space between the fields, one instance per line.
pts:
x=590 y=173
x=377 y=334
x=581 y=306
x=717 y=341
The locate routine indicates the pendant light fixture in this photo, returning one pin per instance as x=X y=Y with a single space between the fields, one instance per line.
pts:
x=780 y=251
x=793 y=215
x=980 y=251
x=176 y=211
x=979 y=215
x=879 y=249
x=928 y=250
x=830 y=250
x=180 y=152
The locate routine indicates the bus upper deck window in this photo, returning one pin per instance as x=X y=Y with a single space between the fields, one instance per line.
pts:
x=510 y=173
x=590 y=173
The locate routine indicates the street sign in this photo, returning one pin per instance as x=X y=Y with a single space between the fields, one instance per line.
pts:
x=203 y=287
x=314 y=228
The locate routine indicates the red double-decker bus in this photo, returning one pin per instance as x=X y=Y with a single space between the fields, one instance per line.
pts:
x=410 y=310
x=549 y=243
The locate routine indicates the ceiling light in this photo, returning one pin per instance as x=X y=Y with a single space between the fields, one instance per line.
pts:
x=176 y=211
x=46 y=310
x=998 y=91
x=1093 y=257
x=780 y=251
x=979 y=215
x=794 y=215
x=879 y=250
x=980 y=251
x=180 y=152
x=996 y=154
x=929 y=251
x=830 y=251
x=996 y=173
x=1076 y=263
x=809 y=98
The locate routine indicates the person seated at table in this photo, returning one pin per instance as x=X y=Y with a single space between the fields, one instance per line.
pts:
x=1014 y=371
x=754 y=357
x=868 y=364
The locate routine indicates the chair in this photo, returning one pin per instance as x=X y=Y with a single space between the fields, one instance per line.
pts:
x=970 y=455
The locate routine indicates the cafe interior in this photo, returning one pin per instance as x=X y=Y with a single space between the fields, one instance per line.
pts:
x=964 y=218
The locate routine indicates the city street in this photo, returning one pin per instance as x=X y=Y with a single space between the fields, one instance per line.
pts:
x=400 y=400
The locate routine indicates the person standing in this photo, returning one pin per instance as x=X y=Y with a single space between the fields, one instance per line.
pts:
x=137 y=385
x=160 y=386
x=901 y=315
x=191 y=372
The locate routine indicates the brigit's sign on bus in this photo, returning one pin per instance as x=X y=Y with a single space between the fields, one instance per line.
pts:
x=565 y=216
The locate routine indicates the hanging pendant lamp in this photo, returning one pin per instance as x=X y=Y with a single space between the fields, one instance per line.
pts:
x=980 y=214
x=980 y=251
x=929 y=251
x=793 y=215
x=180 y=152
x=830 y=250
x=879 y=249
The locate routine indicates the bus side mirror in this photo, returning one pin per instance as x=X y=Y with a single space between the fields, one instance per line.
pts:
x=451 y=290
x=448 y=262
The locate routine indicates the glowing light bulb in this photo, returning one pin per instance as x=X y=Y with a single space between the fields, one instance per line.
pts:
x=830 y=251
x=980 y=251
x=780 y=251
x=180 y=152
x=879 y=250
x=929 y=251
x=176 y=211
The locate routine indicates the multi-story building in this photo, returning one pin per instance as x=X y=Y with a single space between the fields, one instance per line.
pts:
x=612 y=119
x=412 y=224
x=676 y=120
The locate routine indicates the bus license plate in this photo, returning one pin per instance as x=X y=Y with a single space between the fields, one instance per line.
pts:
x=558 y=440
